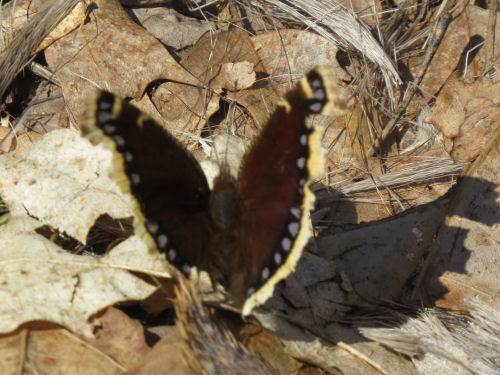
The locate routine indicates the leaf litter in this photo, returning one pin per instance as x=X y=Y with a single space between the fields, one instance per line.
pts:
x=445 y=248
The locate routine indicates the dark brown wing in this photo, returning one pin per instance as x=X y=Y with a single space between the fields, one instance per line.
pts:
x=274 y=190
x=166 y=180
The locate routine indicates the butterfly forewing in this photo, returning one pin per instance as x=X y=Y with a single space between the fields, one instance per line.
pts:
x=167 y=181
x=271 y=190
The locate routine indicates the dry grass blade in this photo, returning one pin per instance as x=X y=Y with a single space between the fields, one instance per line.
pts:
x=453 y=342
x=336 y=23
x=432 y=171
x=29 y=37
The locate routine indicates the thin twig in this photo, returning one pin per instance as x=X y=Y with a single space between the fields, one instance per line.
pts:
x=490 y=37
x=43 y=72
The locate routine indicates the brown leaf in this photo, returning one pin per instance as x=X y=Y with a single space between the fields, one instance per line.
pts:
x=12 y=352
x=269 y=347
x=166 y=357
x=66 y=25
x=184 y=109
x=467 y=114
x=57 y=351
x=286 y=55
x=234 y=76
x=466 y=31
x=121 y=338
x=113 y=53
x=171 y=27
x=206 y=59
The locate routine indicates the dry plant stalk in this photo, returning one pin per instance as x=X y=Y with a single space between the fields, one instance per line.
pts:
x=213 y=348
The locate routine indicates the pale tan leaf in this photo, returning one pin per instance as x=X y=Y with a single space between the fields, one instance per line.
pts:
x=40 y=281
x=66 y=25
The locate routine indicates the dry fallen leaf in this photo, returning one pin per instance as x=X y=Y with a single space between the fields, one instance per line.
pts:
x=59 y=169
x=171 y=27
x=234 y=76
x=467 y=114
x=184 y=109
x=93 y=57
x=55 y=350
x=166 y=357
x=66 y=25
x=209 y=54
x=460 y=45
x=121 y=338
x=13 y=351
x=69 y=189
x=40 y=281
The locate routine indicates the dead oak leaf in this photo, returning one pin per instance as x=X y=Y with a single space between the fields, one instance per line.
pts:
x=467 y=114
x=112 y=53
x=39 y=281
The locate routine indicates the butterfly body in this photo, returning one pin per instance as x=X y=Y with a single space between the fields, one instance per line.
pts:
x=247 y=232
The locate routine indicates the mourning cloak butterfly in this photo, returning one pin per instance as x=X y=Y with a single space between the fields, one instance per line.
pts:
x=247 y=233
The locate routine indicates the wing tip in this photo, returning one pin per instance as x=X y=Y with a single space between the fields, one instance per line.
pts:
x=336 y=102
